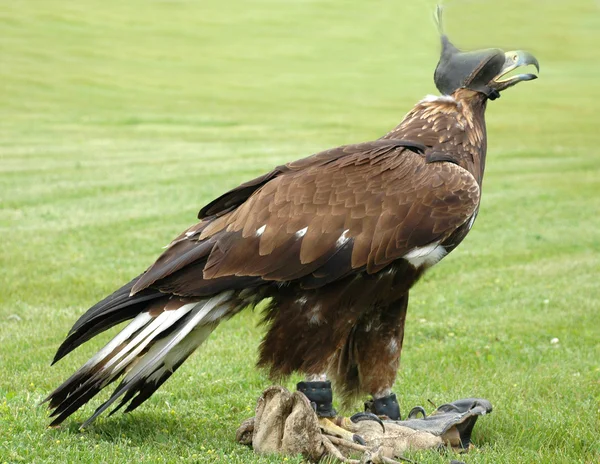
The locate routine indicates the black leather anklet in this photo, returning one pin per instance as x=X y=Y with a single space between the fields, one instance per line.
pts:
x=385 y=406
x=321 y=395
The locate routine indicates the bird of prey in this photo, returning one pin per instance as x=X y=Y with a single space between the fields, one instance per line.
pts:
x=333 y=242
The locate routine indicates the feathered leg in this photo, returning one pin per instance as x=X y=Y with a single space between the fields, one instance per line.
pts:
x=377 y=348
x=369 y=360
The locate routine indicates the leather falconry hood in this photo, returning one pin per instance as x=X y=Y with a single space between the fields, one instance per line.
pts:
x=472 y=70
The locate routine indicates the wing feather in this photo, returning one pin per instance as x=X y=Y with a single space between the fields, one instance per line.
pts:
x=359 y=206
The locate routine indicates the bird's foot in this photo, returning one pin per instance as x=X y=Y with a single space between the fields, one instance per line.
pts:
x=320 y=395
x=345 y=427
x=385 y=407
x=338 y=427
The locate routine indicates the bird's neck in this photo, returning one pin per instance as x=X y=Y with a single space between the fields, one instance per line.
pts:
x=451 y=126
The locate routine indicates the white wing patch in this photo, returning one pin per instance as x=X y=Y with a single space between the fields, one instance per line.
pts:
x=343 y=238
x=427 y=255
x=301 y=232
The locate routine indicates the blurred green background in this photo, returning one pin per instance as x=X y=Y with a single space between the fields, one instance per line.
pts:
x=119 y=120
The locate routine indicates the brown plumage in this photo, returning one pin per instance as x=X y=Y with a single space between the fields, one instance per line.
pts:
x=324 y=237
x=334 y=241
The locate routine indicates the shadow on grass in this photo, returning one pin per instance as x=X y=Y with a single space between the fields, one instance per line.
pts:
x=143 y=428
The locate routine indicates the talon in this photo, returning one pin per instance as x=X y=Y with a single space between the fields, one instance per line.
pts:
x=331 y=428
x=414 y=412
x=364 y=416
x=358 y=439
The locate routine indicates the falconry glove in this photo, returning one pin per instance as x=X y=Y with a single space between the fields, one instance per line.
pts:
x=286 y=423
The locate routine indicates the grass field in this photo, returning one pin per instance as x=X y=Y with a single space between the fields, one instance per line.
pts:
x=118 y=120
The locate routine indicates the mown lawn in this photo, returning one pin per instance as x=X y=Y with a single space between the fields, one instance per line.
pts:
x=118 y=120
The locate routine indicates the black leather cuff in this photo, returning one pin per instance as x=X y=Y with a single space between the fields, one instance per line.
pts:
x=321 y=395
x=386 y=406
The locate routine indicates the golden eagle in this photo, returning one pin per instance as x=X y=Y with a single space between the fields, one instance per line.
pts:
x=333 y=242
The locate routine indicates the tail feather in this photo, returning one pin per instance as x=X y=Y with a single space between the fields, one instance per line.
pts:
x=148 y=335
x=146 y=352
x=94 y=364
x=112 y=310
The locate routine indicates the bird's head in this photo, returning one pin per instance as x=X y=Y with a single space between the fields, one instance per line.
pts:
x=483 y=71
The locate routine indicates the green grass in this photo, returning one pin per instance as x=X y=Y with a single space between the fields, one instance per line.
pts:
x=118 y=120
